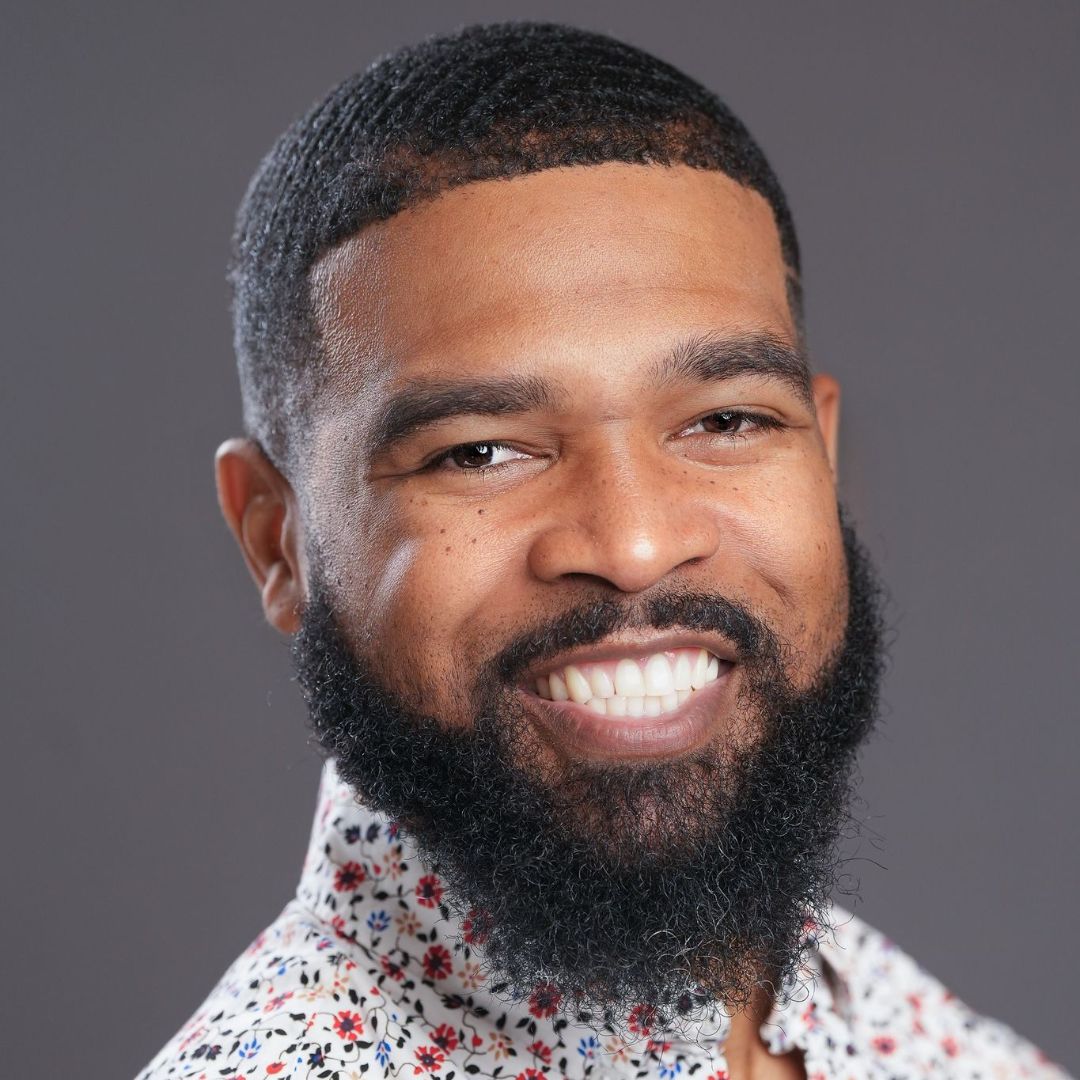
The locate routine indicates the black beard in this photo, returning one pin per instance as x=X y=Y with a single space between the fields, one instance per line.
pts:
x=675 y=884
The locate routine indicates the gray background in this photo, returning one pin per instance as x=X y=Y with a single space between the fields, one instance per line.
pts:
x=157 y=784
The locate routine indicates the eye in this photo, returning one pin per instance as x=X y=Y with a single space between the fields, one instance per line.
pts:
x=734 y=423
x=478 y=457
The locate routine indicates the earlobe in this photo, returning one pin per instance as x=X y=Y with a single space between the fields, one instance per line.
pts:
x=826 y=393
x=259 y=507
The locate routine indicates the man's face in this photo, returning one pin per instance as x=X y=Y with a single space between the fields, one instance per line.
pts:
x=578 y=609
x=578 y=287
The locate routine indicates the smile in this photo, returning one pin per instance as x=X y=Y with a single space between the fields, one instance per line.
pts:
x=650 y=685
x=656 y=704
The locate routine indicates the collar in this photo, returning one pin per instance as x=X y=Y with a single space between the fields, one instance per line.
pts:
x=366 y=882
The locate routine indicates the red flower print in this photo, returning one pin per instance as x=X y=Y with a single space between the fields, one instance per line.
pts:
x=430 y=1059
x=544 y=1000
x=884 y=1044
x=395 y=971
x=530 y=1074
x=275 y=1068
x=429 y=891
x=349 y=877
x=349 y=1025
x=474 y=928
x=542 y=1051
x=950 y=1046
x=437 y=962
x=720 y=1074
x=641 y=1019
x=445 y=1038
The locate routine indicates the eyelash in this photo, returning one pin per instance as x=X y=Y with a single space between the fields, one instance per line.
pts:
x=761 y=421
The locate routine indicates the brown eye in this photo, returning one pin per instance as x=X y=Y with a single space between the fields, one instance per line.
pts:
x=723 y=423
x=735 y=422
x=472 y=455
x=475 y=459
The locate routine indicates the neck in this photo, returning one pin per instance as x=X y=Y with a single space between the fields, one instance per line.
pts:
x=747 y=1055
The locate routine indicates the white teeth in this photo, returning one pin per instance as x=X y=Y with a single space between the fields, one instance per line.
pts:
x=700 y=675
x=683 y=671
x=628 y=679
x=658 y=680
x=577 y=686
x=558 y=688
x=652 y=689
x=600 y=681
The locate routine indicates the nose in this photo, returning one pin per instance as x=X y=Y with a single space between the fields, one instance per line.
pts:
x=627 y=517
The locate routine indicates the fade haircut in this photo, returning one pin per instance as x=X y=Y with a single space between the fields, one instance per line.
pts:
x=484 y=103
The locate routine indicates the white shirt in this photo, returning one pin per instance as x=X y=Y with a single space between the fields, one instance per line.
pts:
x=366 y=974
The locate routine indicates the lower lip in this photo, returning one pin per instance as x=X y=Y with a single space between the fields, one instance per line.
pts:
x=576 y=729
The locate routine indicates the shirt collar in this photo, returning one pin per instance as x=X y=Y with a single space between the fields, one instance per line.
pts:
x=368 y=885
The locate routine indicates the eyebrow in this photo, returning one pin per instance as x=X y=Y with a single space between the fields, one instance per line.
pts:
x=699 y=358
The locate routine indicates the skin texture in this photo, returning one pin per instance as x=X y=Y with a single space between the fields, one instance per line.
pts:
x=584 y=277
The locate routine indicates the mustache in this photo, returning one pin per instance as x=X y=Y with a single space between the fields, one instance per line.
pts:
x=752 y=638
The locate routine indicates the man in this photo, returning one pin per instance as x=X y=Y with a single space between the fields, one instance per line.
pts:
x=538 y=479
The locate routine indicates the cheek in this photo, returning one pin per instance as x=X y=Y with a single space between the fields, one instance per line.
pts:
x=416 y=586
x=796 y=550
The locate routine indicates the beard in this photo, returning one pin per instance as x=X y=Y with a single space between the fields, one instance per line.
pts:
x=673 y=884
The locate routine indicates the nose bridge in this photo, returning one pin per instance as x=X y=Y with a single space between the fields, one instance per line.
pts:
x=625 y=513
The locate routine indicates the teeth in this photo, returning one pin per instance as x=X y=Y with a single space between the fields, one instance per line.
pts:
x=700 y=675
x=577 y=686
x=558 y=688
x=650 y=688
x=628 y=679
x=683 y=671
x=658 y=678
x=600 y=681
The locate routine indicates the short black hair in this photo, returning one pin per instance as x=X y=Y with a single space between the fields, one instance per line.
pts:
x=486 y=102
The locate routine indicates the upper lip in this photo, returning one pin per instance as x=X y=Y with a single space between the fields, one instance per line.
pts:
x=615 y=648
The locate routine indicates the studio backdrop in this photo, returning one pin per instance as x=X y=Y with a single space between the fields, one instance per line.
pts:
x=158 y=785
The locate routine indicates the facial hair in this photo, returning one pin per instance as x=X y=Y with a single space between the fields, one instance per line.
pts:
x=674 y=884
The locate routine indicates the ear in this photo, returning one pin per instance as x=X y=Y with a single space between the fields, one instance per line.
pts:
x=260 y=508
x=826 y=392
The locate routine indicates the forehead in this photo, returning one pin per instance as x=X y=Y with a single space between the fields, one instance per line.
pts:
x=568 y=262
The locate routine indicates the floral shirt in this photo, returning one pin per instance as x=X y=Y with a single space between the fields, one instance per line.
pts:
x=367 y=974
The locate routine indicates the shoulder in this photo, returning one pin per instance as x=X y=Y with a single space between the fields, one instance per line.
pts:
x=897 y=1007
x=292 y=1001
